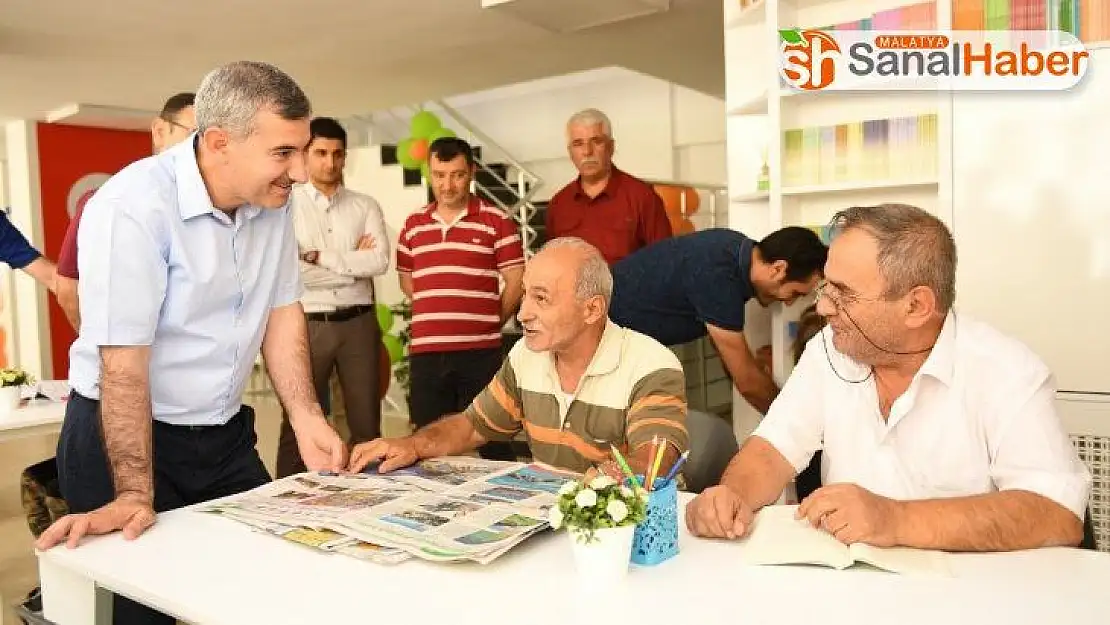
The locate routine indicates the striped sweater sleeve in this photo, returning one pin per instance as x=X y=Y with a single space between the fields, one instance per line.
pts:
x=658 y=407
x=496 y=412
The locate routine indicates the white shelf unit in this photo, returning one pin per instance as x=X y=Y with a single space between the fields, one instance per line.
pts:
x=760 y=110
x=1038 y=152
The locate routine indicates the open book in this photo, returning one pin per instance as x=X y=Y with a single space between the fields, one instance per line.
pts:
x=777 y=538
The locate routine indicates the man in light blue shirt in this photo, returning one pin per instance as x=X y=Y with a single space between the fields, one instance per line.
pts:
x=188 y=266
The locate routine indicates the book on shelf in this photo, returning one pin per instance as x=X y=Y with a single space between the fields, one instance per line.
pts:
x=777 y=538
x=899 y=148
x=1088 y=20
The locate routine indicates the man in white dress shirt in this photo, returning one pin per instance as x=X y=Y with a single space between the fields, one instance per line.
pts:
x=343 y=246
x=938 y=431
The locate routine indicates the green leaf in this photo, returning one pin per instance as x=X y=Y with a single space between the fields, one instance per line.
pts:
x=791 y=35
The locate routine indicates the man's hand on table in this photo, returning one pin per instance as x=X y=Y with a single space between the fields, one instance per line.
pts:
x=852 y=514
x=394 y=453
x=718 y=512
x=131 y=513
x=319 y=444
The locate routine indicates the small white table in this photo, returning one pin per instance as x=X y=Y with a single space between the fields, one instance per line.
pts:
x=212 y=571
x=35 y=418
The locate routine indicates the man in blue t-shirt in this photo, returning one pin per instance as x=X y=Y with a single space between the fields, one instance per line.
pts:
x=17 y=252
x=683 y=288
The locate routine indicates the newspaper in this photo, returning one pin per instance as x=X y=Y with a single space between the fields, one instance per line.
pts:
x=445 y=509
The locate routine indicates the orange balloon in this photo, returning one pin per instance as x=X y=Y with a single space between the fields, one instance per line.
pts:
x=686 y=227
x=419 y=150
x=673 y=197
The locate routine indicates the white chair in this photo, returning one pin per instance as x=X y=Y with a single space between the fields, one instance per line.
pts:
x=1087 y=420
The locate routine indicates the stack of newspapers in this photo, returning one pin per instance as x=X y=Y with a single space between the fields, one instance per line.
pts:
x=445 y=510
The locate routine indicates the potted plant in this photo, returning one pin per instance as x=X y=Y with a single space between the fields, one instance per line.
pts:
x=12 y=381
x=600 y=518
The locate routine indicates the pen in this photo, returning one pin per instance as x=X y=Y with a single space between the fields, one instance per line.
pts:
x=624 y=465
x=657 y=461
x=677 y=465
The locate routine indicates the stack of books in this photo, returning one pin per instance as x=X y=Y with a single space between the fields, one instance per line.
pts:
x=901 y=148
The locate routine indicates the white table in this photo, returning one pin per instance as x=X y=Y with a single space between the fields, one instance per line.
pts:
x=36 y=417
x=213 y=571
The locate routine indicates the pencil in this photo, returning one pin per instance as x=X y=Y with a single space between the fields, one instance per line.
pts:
x=624 y=465
x=657 y=461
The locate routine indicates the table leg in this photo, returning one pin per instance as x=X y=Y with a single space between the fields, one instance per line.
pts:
x=68 y=598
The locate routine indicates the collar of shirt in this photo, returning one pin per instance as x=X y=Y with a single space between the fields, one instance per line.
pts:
x=473 y=209
x=745 y=262
x=318 y=198
x=192 y=194
x=605 y=360
x=610 y=190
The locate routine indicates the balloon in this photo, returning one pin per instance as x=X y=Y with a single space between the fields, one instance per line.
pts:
x=441 y=133
x=425 y=171
x=686 y=227
x=393 y=345
x=672 y=197
x=385 y=317
x=424 y=124
x=418 y=150
x=404 y=154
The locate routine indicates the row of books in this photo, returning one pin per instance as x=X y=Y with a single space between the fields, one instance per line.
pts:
x=902 y=148
x=1088 y=20
x=921 y=16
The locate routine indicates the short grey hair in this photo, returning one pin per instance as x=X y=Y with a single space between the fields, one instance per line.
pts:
x=915 y=248
x=591 y=117
x=231 y=95
x=594 y=277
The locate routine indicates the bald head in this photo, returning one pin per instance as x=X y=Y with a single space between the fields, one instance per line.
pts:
x=567 y=288
x=583 y=263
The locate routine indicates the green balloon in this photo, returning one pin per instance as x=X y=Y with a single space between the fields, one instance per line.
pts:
x=393 y=346
x=404 y=156
x=423 y=124
x=440 y=133
x=385 y=317
x=425 y=171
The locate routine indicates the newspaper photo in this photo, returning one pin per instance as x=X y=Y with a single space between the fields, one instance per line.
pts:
x=444 y=509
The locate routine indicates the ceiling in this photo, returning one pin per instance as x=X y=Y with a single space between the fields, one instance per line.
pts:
x=351 y=56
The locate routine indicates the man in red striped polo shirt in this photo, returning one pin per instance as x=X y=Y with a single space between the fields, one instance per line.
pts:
x=452 y=258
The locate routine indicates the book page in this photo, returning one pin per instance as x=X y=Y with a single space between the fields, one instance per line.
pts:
x=902 y=560
x=778 y=538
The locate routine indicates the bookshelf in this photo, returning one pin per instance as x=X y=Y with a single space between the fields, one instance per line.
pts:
x=827 y=150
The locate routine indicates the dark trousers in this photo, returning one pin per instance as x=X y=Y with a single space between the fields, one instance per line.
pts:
x=350 y=346
x=191 y=465
x=443 y=383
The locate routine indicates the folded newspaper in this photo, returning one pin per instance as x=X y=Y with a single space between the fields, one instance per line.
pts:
x=445 y=510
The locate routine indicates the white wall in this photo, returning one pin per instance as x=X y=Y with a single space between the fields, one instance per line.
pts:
x=662 y=131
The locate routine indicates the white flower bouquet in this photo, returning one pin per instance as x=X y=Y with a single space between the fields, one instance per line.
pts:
x=602 y=504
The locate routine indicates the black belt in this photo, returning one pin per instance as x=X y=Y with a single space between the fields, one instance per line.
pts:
x=341 y=314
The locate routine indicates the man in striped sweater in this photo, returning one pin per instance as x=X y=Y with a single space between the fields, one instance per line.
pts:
x=577 y=384
x=452 y=257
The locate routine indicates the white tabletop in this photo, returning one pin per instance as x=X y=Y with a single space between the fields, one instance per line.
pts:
x=213 y=571
x=37 y=416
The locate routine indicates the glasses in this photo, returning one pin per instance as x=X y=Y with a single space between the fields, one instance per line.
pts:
x=840 y=300
x=179 y=125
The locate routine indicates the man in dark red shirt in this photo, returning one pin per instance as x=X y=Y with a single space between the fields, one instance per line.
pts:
x=173 y=125
x=610 y=209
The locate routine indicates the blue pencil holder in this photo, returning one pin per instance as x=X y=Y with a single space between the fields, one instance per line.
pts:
x=656 y=538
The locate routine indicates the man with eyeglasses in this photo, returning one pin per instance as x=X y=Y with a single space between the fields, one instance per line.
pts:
x=938 y=431
x=172 y=126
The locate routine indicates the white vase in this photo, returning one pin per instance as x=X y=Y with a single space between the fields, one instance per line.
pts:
x=10 y=396
x=605 y=559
